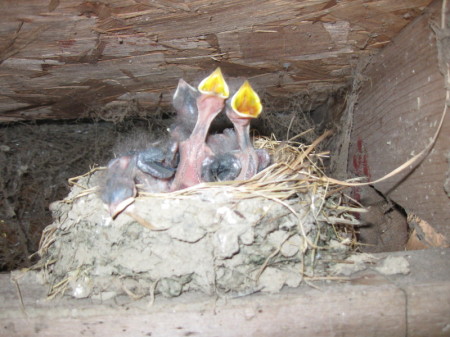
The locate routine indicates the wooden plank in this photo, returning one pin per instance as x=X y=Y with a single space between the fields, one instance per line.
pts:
x=314 y=313
x=426 y=309
x=103 y=50
x=398 y=110
x=372 y=305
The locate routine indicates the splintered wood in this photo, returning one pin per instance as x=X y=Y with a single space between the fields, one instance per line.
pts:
x=68 y=59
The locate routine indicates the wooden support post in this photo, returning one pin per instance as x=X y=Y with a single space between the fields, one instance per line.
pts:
x=398 y=111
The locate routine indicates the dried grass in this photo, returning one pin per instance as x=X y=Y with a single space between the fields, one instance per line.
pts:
x=297 y=170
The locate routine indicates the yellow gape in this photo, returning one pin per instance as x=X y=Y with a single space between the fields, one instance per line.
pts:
x=246 y=102
x=215 y=85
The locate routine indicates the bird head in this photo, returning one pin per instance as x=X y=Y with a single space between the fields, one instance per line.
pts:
x=214 y=85
x=119 y=190
x=246 y=102
x=214 y=90
x=184 y=100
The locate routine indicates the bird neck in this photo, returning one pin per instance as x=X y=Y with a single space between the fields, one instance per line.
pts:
x=208 y=108
x=243 y=134
x=242 y=127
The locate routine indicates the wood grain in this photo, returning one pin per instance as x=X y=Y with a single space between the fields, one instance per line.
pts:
x=62 y=59
x=399 y=107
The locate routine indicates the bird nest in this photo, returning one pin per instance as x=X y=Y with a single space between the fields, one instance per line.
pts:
x=286 y=225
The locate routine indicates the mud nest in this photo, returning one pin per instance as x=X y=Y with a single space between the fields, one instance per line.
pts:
x=37 y=159
x=285 y=225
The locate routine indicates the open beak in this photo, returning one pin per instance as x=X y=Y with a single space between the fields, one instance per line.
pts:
x=215 y=85
x=246 y=102
x=245 y=105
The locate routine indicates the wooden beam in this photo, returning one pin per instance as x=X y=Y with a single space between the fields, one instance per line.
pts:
x=62 y=59
x=371 y=304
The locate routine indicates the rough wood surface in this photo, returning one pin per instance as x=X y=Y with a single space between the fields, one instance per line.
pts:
x=65 y=59
x=399 y=108
x=371 y=304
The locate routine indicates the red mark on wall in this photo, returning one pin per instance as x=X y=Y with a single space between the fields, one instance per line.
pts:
x=360 y=165
x=66 y=43
x=360 y=161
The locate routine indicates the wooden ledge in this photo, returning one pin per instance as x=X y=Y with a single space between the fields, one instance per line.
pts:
x=371 y=304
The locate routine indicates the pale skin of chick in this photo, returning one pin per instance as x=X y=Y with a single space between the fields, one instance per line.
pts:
x=194 y=150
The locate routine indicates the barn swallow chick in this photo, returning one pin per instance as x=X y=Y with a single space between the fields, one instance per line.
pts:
x=120 y=189
x=185 y=103
x=246 y=162
x=193 y=151
x=148 y=168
